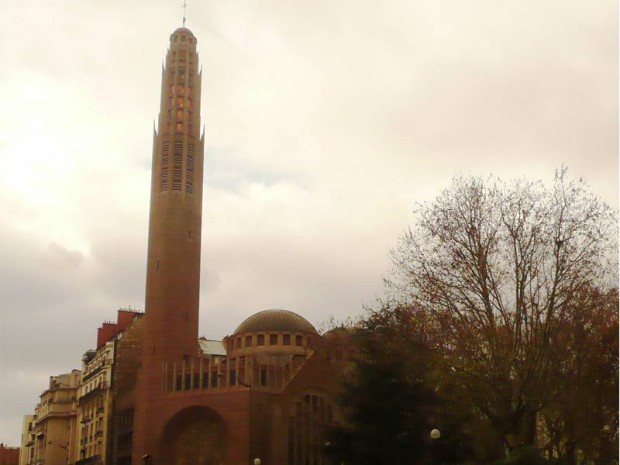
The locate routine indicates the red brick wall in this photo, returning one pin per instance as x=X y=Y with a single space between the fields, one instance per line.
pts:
x=106 y=332
x=9 y=455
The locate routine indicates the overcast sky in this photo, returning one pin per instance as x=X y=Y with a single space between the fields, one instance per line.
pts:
x=326 y=120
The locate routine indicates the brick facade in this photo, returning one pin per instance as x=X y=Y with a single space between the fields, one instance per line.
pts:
x=9 y=455
x=266 y=391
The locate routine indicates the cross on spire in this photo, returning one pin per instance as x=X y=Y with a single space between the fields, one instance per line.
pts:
x=184 y=7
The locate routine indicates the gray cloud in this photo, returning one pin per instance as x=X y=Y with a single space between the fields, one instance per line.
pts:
x=325 y=122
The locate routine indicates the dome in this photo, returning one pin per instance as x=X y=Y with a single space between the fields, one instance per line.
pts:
x=180 y=34
x=275 y=320
x=183 y=30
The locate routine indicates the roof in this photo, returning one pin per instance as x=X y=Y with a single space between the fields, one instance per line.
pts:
x=211 y=347
x=276 y=320
x=183 y=30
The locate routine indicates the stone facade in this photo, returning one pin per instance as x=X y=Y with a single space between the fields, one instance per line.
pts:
x=51 y=433
x=96 y=394
x=26 y=451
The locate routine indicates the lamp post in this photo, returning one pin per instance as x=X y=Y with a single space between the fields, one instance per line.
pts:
x=434 y=435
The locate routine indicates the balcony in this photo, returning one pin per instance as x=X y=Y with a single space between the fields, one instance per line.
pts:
x=95 y=369
x=98 y=389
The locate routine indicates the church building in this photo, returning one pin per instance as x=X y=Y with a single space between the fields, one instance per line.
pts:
x=152 y=392
x=267 y=392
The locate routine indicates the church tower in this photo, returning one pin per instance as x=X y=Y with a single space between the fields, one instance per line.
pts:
x=267 y=395
x=173 y=263
x=175 y=223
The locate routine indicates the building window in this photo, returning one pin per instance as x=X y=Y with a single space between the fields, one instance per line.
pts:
x=273 y=339
x=298 y=340
x=286 y=339
x=164 y=182
x=179 y=127
x=248 y=341
x=238 y=343
x=260 y=340
x=177 y=163
x=189 y=171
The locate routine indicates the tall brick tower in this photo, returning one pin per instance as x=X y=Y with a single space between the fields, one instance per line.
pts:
x=173 y=263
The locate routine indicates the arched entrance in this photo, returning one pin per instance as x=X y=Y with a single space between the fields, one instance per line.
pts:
x=194 y=436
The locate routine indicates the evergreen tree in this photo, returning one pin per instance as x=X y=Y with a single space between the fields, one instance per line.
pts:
x=392 y=401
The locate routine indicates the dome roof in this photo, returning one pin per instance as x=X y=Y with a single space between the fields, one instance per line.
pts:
x=275 y=320
x=183 y=30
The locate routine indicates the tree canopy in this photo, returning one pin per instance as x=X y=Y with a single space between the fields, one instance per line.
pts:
x=501 y=270
x=391 y=401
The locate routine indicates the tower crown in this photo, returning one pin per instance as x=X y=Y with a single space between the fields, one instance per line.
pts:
x=179 y=117
x=181 y=35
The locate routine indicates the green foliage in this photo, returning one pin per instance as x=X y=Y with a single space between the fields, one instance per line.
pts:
x=391 y=399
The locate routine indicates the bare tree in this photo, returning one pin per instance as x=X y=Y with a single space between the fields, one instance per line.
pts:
x=497 y=266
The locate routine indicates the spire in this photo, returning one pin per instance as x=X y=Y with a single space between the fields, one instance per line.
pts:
x=184 y=7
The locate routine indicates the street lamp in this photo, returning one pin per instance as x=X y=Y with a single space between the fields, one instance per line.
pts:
x=434 y=435
x=256 y=461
